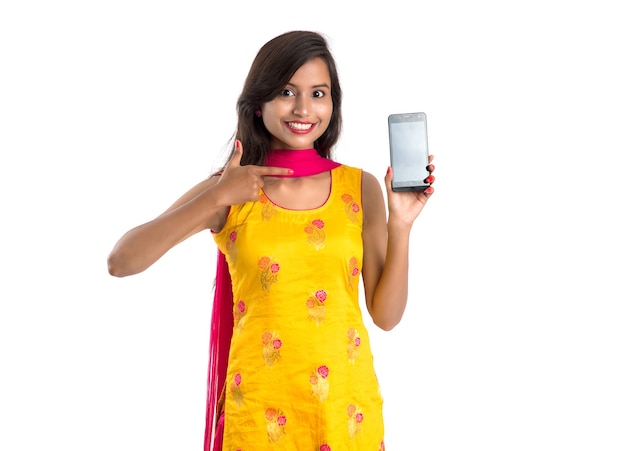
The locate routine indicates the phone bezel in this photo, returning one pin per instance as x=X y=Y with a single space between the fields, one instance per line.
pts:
x=415 y=185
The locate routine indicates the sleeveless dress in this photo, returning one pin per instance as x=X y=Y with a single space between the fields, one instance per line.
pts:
x=300 y=370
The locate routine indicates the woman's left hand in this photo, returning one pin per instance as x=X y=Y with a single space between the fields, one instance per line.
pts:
x=406 y=206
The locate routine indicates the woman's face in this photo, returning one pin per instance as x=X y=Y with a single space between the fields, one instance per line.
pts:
x=301 y=113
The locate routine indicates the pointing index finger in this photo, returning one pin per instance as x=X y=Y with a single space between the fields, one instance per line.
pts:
x=273 y=170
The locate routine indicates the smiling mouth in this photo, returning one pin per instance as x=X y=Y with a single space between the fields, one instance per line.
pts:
x=299 y=125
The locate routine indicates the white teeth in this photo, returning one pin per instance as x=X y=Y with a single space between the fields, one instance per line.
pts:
x=299 y=126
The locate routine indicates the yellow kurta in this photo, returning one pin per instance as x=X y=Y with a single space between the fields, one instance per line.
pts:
x=300 y=370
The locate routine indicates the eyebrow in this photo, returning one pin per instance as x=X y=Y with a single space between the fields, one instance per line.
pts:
x=322 y=85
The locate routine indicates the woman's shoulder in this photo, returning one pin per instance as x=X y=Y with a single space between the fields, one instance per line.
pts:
x=349 y=170
x=366 y=179
x=369 y=183
x=361 y=180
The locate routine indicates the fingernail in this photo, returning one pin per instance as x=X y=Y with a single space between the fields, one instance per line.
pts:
x=236 y=144
x=429 y=190
x=388 y=169
x=290 y=171
x=429 y=179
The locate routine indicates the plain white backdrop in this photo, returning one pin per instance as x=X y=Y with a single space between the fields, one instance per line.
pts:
x=514 y=335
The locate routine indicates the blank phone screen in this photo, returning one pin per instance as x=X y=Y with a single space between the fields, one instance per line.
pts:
x=409 y=153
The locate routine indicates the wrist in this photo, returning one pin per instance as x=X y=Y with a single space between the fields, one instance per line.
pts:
x=398 y=227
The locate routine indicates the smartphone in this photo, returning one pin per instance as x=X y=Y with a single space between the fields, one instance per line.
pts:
x=408 y=146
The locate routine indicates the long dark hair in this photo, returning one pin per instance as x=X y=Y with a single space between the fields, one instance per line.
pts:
x=271 y=70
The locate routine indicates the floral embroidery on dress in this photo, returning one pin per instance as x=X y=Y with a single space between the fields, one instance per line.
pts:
x=316 y=235
x=382 y=446
x=276 y=421
x=315 y=304
x=269 y=272
x=239 y=315
x=271 y=348
x=353 y=272
x=268 y=209
x=354 y=341
x=276 y=327
x=231 y=246
x=355 y=418
x=319 y=382
x=235 y=389
x=351 y=207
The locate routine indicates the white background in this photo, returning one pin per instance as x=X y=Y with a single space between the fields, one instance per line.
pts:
x=514 y=335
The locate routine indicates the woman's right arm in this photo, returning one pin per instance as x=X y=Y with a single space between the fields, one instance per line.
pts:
x=198 y=209
x=205 y=206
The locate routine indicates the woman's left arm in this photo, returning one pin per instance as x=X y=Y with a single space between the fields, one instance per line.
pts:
x=386 y=247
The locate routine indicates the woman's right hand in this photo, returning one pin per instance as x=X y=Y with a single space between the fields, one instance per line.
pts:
x=241 y=184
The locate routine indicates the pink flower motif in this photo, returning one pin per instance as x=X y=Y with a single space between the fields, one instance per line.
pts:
x=355 y=208
x=275 y=267
x=277 y=343
x=241 y=306
x=359 y=417
x=318 y=223
x=321 y=295
x=355 y=271
x=357 y=341
x=281 y=420
x=323 y=371
x=237 y=379
x=325 y=447
x=233 y=236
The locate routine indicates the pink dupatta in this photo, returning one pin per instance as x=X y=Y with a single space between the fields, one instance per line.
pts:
x=304 y=163
x=219 y=346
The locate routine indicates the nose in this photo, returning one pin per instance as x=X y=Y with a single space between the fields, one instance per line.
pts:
x=303 y=105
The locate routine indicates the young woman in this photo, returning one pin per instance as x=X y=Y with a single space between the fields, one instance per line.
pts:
x=291 y=359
